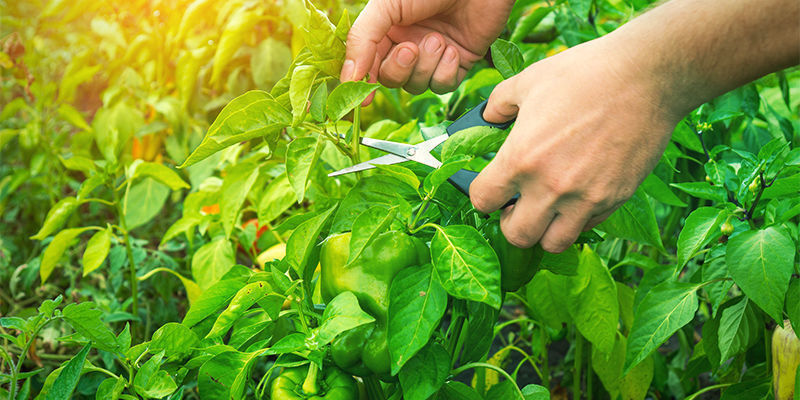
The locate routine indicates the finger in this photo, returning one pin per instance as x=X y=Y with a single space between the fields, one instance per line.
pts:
x=373 y=77
x=563 y=231
x=493 y=186
x=430 y=52
x=446 y=76
x=524 y=224
x=598 y=219
x=398 y=65
x=503 y=104
x=368 y=30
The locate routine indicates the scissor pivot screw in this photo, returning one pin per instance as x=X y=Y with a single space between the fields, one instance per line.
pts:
x=410 y=152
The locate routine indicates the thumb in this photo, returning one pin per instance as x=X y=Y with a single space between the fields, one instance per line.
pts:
x=503 y=104
x=367 y=31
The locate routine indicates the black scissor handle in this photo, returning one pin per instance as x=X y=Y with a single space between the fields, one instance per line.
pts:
x=474 y=117
x=462 y=179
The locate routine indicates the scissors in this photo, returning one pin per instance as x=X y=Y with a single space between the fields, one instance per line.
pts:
x=421 y=152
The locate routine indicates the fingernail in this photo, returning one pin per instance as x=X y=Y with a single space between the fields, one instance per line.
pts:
x=450 y=55
x=432 y=44
x=405 y=57
x=347 y=71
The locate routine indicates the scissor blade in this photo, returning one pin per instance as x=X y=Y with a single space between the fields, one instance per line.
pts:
x=388 y=159
x=399 y=149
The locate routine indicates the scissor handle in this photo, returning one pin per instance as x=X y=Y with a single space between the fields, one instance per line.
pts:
x=474 y=117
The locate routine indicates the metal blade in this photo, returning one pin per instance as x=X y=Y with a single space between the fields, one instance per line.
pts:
x=388 y=159
x=399 y=149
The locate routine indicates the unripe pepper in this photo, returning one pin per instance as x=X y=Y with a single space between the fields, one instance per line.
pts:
x=364 y=350
x=300 y=383
x=785 y=361
x=517 y=266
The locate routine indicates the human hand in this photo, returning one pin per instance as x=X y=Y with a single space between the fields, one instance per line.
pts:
x=590 y=127
x=417 y=44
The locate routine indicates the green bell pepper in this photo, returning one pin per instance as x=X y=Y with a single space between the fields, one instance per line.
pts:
x=301 y=383
x=364 y=350
x=517 y=266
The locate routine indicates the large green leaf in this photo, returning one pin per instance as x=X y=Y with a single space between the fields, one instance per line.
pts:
x=56 y=217
x=301 y=156
x=466 y=264
x=507 y=58
x=761 y=263
x=302 y=244
x=300 y=91
x=176 y=340
x=425 y=373
x=151 y=381
x=700 y=227
x=241 y=302
x=144 y=201
x=740 y=326
x=251 y=115
x=56 y=249
x=473 y=142
x=665 y=309
x=793 y=304
x=96 y=250
x=211 y=261
x=85 y=319
x=212 y=300
x=367 y=226
x=68 y=377
x=237 y=184
x=346 y=97
x=157 y=171
x=547 y=294
x=277 y=198
x=218 y=377
x=418 y=302
x=593 y=303
x=341 y=314
x=635 y=221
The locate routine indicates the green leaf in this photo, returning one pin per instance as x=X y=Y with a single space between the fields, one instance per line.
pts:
x=440 y=175
x=702 y=190
x=237 y=184
x=346 y=97
x=303 y=241
x=78 y=163
x=761 y=263
x=217 y=378
x=56 y=217
x=635 y=384
x=159 y=172
x=96 y=250
x=241 y=21
x=241 y=302
x=111 y=388
x=608 y=365
x=505 y=390
x=341 y=314
x=67 y=379
x=85 y=319
x=56 y=249
x=466 y=264
x=593 y=303
x=564 y=263
x=211 y=261
x=793 y=304
x=367 y=226
x=277 y=198
x=473 y=142
x=251 y=115
x=371 y=191
x=547 y=294
x=301 y=156
x=402 y=173
x=665 y=309
x=318 y=101
x=300 y=90
x=49 y=306
x=657 y=189
x=535 y=392
x=739 y=328
x=425 y=373
x=212 y=300
x=507 y=58
x=455 y=390
x=528 y=23
x=175 y=340
x=635 y=221
x=700 y=227
x=418 y=302
x=150 y=381
x=144 y=201
x=478 y=331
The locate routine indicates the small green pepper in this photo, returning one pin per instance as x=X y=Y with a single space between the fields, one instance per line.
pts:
x=301 y=383
x=517 y=265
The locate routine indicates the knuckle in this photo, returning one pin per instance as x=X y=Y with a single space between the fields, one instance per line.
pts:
x=479 y=200
x=557 y=244
x=518 y=238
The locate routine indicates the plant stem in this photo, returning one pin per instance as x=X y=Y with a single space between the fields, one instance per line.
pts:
x=708 y=389
x=499 y=370
x=310 y=383
x=132 y=264
x=16 y=368
x=356 y=139
x=576 y=376
x=545 y=360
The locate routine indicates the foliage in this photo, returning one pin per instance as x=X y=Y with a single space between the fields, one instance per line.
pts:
x=190 y=142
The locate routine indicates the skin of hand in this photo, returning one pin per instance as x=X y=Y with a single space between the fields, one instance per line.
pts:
x=593 y=121
x=421 y=44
